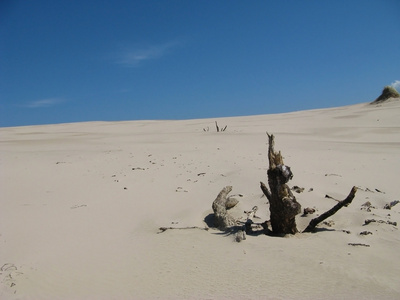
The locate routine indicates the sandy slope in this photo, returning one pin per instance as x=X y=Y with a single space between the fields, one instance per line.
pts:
x=81 y=205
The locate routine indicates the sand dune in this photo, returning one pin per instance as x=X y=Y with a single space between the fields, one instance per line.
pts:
x=81 y=206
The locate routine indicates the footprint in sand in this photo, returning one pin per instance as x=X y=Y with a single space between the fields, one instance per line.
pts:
x=8 y=274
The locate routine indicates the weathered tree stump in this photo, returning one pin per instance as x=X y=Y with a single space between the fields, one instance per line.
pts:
x=283 y=205
x=222 y=219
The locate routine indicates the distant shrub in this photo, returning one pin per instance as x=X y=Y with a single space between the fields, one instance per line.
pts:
x=391 y=90
x=387 y=92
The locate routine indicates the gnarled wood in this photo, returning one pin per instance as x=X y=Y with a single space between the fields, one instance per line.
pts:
x=222 y=219
x=283 y=205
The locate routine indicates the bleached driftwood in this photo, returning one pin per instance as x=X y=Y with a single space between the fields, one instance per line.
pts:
x=222 y=219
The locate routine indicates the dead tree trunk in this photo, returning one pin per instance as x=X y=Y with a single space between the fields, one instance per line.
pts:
x=216 y=125
x=283 y=205
x=314 y=222
x=222 y=219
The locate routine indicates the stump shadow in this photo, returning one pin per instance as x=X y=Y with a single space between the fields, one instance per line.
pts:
x=323 y=229
x=209 y=220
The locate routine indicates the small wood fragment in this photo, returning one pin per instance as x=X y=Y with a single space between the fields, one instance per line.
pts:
x=366 y=222
x=298 y=189
x=358 y=244
x=308 y=210
x=391 y=204
x=365 y=232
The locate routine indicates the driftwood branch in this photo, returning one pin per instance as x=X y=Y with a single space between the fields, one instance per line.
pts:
x=314 y=222
x=222 y=219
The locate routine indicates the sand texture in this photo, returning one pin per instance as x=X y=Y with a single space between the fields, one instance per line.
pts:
x=81 y=206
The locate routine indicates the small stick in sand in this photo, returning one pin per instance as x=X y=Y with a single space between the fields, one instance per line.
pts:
x=163 y=229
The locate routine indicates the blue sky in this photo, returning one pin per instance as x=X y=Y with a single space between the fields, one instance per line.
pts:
x=72 y=61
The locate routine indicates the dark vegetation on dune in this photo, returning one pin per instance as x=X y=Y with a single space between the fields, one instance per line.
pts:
x=387 y=93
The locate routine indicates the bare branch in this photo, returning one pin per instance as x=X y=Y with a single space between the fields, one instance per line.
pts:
x=314 y=222
x=265 y=190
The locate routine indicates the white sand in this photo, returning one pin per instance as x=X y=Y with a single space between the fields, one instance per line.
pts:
x=79 y=220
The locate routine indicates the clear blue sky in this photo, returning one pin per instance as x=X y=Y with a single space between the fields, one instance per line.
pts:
x=87 y=60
